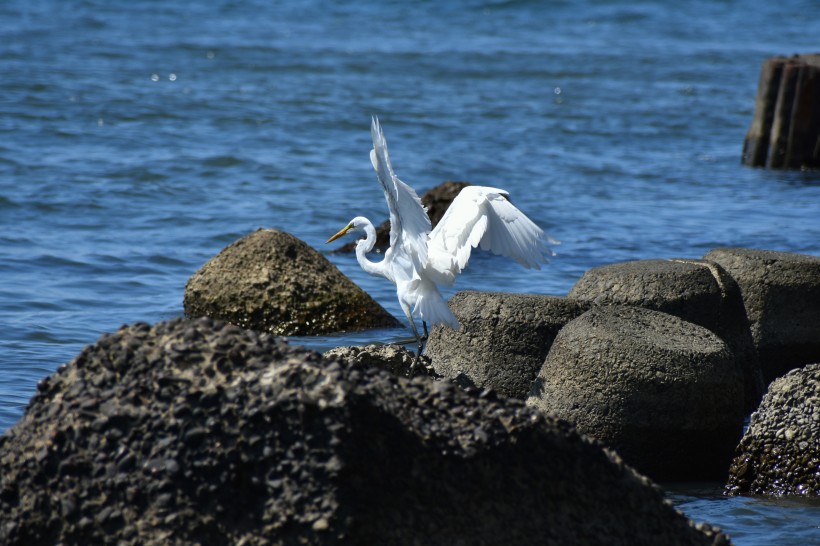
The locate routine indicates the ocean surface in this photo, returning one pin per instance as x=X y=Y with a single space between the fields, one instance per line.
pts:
x=137 y=139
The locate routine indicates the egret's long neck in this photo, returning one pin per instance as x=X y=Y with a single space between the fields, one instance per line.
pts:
x=363 y=246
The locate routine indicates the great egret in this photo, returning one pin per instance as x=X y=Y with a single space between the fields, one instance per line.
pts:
x=419 y=259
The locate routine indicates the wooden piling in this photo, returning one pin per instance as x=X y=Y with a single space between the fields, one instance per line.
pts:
x=785 y=130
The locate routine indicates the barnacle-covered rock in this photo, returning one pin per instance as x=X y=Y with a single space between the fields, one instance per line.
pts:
x=780 y=452
x=199 y=432
x=273 y=282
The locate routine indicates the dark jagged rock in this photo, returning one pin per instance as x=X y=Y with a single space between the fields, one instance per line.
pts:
x=271 y=281
x=198 y=432
x=666 y=394
x=393 y=358
x=502 y=341
x=781 y=291
x=780 y=452
x=698 y=291
x=436 y=200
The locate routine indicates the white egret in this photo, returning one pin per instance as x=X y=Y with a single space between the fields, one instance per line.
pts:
x=420 y=259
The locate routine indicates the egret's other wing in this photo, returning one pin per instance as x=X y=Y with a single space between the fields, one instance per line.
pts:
x=481 y=216
x=409 y=223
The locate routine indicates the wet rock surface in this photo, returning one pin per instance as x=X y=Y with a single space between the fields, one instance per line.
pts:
x=393 y=358
x=780 y=451
x=698 y=291
x=666 y=394
x=502 y=341
x=271 y=281
x=781 y=292
x=199 y=432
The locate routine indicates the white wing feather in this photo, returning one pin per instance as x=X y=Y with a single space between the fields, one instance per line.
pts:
x=481 y=216
x=409 y=223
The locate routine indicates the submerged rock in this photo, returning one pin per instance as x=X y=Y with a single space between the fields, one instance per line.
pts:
x=780 y=452
x=698 y=291
x=271 y=281
x=666 y=394
x=198 y=432
x=781 y=292
x=502 y=341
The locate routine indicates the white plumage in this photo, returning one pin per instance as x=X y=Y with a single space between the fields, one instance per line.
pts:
x=420 y=259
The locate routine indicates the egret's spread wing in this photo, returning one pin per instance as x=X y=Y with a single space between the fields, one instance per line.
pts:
x=409 y=223
x=481 y=216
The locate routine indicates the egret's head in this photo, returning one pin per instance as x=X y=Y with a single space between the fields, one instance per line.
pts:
x=355 y=225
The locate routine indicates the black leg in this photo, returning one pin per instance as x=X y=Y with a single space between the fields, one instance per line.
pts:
x=420 y=342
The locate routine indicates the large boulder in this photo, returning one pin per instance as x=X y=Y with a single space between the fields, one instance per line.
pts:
x=781 y=292
x=273 y=282
x=502 y=341
x=197 y=432
x=698 y=291
x=666 y=394
x=780 y=451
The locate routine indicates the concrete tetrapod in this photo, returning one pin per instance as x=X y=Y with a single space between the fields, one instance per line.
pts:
x=502 y=341
x=666 y=394
x=698 y=291
x=781 y=292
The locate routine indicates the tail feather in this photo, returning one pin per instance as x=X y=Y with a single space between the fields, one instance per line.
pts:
x=432 y=308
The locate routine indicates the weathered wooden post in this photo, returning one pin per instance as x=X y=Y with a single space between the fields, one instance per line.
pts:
x=785 y=131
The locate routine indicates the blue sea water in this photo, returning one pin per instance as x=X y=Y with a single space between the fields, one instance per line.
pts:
x=137 y=139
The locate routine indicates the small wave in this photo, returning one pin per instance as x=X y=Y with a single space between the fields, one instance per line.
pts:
x=51 y=260
x=8 y=203
x=159 y=259
x=140 y=174
x=223 y=161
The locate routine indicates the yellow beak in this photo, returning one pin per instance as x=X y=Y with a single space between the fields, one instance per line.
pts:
x=343 y=231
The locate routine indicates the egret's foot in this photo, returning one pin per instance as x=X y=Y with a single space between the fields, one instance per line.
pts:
x=415 y=364
x=411 y=373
